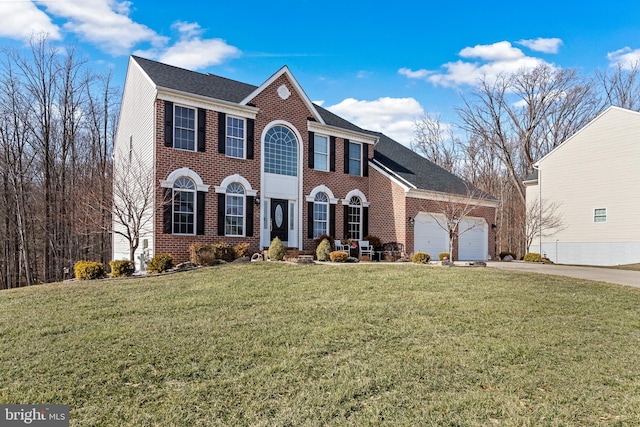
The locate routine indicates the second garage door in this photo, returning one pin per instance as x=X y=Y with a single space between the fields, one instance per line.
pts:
x=472 y=239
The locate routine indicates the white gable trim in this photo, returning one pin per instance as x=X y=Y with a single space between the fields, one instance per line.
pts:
x=199 y=101
x=404 y=184
x=584 y=128
x=450 y=197
x=362 y=138
x=285 y=70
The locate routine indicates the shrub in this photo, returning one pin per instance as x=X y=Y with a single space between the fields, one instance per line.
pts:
x=88 y=270
x=160 y=263
x=443 y=255
x=320 y=239
x=374 y=241
x=222 y=250
x=240 y=250
x=201 y=254
x=122 y=268
x=532 y=257
x=323 y=250
x=420 y=258
x=276 y=250
x=338 y=256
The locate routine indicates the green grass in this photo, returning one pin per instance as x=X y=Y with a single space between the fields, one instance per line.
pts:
x=271 y=344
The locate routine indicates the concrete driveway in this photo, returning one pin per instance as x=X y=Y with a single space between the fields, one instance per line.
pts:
x=609 y=275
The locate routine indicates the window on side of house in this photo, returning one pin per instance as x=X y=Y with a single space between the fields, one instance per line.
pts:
x=355 y=159
x=354 y=218
x=321 y=153
x=184 y=128
x=184 y=206
x=235 y=137
x=600 y=215
x=320 y=215
x=234 y=210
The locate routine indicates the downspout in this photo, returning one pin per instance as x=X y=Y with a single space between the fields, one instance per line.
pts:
x=537 y=167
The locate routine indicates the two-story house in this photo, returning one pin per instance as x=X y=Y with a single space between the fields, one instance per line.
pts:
x=238 y=163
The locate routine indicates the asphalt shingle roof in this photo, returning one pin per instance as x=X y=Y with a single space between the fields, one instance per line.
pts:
x=407 y=164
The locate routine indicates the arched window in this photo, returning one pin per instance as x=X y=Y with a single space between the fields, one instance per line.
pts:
x=235 y=210
x=354 y=218
x=184 y=206
x=320 y=215
x=280 y=151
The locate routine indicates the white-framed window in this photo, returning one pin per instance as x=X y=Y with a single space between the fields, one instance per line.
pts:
x=280 y=151
x=234 y=210
x=235 y=137
x=600 y=215
x=355 y=159
x=320 y=152
x=320 y=215
x=354 y=218
x=184 y=206
x=184 y=128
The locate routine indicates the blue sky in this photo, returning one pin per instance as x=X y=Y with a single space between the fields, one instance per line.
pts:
x=380 y=64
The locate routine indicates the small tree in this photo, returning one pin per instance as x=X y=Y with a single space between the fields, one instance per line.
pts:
x=276 y=250
x=323 y=250
x=543 y=220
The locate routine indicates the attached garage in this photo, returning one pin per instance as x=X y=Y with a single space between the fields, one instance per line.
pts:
x=429 y=236
x=472 y=239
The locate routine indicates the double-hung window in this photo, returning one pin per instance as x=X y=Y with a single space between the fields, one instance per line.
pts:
x=600 y=215
x=184 y=193
x=354 y=218
x=234 y=215
x=321 y=153
x=355 y=159
x=320 y=215
x=235 y=137
x=184 y=130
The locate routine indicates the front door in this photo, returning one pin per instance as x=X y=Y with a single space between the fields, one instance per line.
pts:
x=279 y=219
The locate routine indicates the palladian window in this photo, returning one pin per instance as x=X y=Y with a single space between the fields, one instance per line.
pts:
x=280 y=151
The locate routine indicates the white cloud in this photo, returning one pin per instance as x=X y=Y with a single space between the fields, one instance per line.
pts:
x=191 y=50
x=21 y=19
x=541 y=44
x=394 y=117
x=626 y=58
x=490 y=61
x=104 y=23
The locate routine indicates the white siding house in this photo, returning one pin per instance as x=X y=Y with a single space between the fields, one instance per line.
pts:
x=594 y=179
x=135 y=142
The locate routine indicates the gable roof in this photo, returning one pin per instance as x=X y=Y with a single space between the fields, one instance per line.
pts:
x=419 y=172
x=410 y=167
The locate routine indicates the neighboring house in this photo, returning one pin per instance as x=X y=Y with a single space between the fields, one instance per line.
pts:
x=241 y=163
x=594 y=180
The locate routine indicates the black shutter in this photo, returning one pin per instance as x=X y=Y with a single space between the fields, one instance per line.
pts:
x=311 y=150
x=200 y=212
x=222 y=133
x=346 y=156
x=251 y=124
x=345 y=221
x=167 y=210
x=168 y=124
x=365 y=160
x=332 y=153
x=365 y=222
x=202 y=128
x=310 y=220
x=332 y=220
x=221 y=212
x=249 y=220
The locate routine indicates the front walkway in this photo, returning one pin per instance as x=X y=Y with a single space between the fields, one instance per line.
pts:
x=609 y=275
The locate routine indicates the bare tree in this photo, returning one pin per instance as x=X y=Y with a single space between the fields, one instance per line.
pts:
x=437 y=142
x=543 y=220
x=622 y=86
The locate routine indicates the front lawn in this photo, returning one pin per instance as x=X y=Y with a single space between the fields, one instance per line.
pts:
x=272 y=344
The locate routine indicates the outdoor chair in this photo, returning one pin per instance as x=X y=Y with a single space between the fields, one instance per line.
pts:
x=365 y=249
x=340 y=247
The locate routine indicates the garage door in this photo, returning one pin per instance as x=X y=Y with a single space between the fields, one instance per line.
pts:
x=472 y=239
x=428 y=236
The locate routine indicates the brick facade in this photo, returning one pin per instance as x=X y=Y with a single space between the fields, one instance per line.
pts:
x=389 y=206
